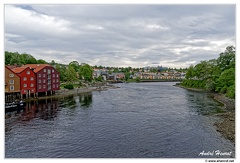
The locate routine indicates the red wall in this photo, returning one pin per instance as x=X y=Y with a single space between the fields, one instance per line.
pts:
x=28 y=81
x=47 y=81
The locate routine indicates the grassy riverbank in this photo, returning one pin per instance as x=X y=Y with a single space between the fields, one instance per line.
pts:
x=225 y=122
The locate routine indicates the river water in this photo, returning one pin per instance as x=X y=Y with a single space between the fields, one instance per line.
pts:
x=137 y=120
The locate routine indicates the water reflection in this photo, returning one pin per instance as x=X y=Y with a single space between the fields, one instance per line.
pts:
x=44 y=109
x=203 y=104
x=85 y=100
x=75 y=101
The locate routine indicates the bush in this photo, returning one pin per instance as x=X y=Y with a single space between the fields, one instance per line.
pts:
x=224 y=89
x=69 y=86
x=231 y=92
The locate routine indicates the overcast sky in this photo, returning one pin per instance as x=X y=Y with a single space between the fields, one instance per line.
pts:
x=121 y=35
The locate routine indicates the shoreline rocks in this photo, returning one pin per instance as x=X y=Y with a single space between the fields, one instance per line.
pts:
x=225 y=122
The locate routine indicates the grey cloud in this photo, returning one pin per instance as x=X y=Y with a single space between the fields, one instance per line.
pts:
x=120 y=35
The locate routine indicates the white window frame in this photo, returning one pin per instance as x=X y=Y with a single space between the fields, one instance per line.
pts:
x=52 y=70
x=11 y=75
x=28 y=72
x=44 y=81
x=57 y=75
x=32 y=78
x=11 y=87
x=44 y=86
x=44 y=70
x=25 y=79
x=11 y=81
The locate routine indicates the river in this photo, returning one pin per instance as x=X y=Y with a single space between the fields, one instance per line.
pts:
x=137 y=120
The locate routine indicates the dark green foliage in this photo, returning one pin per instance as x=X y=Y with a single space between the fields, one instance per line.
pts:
x=86 y=72
x=20 y=59
x=231 y=91
x=214 y=75
x=99 y=78
x=69 y=86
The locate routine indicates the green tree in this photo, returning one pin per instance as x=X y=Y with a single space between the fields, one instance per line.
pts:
x=127 y=75
x=75 y=65
x=71 y=74
x=190 y=72
x=15 y=59
x=41 y=61
x=227 y=59
x=61 y=69
x=86 y=72
x=226 y=80
x=27 y=59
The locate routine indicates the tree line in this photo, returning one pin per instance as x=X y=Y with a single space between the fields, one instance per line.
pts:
x=68 y=73
x=217 y=75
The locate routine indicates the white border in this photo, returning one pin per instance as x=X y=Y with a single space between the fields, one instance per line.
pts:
x=115 y=2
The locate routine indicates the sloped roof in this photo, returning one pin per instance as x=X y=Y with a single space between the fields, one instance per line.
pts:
x=19 y=69
x=11 y=66
x=36 y=67
x=12 y=71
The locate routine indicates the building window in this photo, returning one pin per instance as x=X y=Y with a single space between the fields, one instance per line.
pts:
x=53 y=80
x=24 y=85
x=49 y=71
x=40 y=75
x=53 y=75
x=11 y=81
x=39 y=81
x=53 y=85
x=57 y=75
x=11 y=88
x=44 y=86
x=57 y=85
x=56 y=80
x=31 y=78
x=52 y=70
x=28 y=72
x=44 y=70
x=32 y=85
x=25 y=91
x=24 y=79
x=11 y=75
x=44 y=81
x=39 y=87
x=44 y=75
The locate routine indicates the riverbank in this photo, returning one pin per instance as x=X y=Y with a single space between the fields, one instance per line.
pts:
x=224 y=122
x=69 y=92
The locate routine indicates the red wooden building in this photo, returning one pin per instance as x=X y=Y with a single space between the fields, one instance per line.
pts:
x=28 y=80
x=47 y=78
